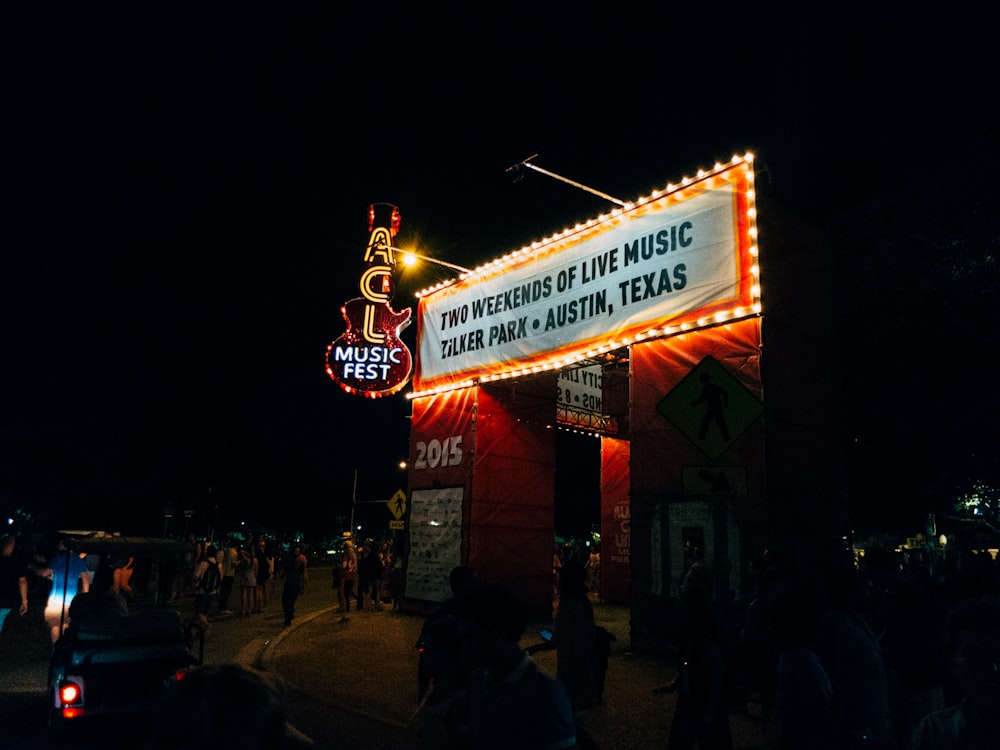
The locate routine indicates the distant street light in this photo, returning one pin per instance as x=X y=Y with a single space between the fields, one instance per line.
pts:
x=168 y=513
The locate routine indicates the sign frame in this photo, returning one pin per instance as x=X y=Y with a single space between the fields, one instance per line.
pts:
x=679 y=260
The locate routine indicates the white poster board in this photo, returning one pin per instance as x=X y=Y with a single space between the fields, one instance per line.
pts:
x=435 y=542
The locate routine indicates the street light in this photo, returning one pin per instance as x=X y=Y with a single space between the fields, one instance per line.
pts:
x=410 y=258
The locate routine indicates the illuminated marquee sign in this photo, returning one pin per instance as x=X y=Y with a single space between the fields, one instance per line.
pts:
x=369 y=358
x=681 y=259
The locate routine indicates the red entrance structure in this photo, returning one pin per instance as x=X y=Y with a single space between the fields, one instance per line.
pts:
x=659 y=306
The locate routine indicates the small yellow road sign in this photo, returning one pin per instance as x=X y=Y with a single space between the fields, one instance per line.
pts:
x=397 y=504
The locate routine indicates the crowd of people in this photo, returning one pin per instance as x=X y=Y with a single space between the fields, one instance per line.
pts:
x=255 y=567
x=77 y=586
x=366 y=576
x=863 y=652
x=215 y=577
x=859 y=652
x=231 y=575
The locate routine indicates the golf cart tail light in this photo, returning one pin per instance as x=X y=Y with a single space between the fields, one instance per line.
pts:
x=69 y=693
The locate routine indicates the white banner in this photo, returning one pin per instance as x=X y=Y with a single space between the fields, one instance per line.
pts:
x=647 y=267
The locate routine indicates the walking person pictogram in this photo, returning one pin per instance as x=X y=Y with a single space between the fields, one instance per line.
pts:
x=716 y=401
x=711 y=407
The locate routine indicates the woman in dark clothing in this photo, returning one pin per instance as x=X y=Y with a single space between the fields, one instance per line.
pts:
x=574 y=638
x=264 y=563
x=295 y=581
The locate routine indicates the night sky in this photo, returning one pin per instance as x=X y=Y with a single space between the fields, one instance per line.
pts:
x=187 y=212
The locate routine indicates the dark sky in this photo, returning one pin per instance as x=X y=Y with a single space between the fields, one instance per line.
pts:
x=189 y=193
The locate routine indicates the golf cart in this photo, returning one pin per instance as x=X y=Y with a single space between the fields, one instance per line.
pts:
x=123 y=642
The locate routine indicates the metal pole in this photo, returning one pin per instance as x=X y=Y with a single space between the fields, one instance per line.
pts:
x=527 y=165
x=354 y=501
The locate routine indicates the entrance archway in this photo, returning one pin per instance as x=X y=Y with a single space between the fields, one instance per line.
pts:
x=663 y=296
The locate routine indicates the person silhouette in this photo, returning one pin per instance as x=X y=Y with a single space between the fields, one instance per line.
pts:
x=69 y=575
x=574 y=639
x=716 y=402
x=508 y=701
x=850 y=652
x=440 y=672
x=13 y=580
x=701 y=717
x=222 y=705
x=972 y=642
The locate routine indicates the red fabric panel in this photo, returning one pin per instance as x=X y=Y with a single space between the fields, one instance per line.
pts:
x=513 y=490
x=616 y=533
x=659 y=450
x=436 y=457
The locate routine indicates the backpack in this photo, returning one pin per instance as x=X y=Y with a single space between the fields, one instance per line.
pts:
x=602 y=650
x=209 y=579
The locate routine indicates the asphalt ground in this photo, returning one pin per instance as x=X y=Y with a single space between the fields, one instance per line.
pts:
x=367 y=666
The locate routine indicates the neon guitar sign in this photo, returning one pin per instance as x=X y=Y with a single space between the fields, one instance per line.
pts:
x=369 y=358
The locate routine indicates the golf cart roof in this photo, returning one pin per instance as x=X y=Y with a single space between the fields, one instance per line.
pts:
x=99 y=543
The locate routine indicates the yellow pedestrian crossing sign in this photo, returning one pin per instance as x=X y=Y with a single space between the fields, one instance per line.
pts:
x=711 y=407
x=397 y=504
